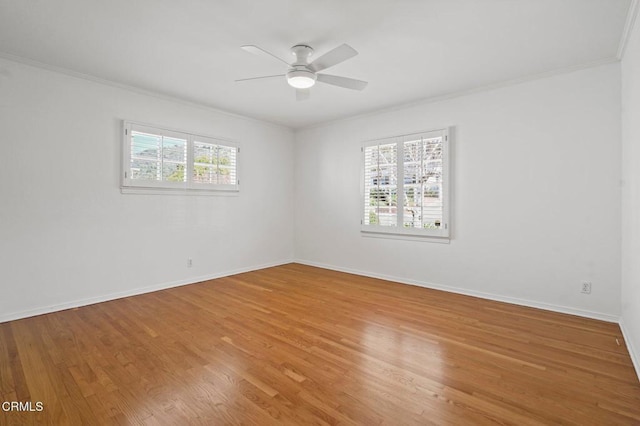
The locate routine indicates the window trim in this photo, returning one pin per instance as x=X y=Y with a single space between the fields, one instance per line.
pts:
x=441 y=235
x=135 y=186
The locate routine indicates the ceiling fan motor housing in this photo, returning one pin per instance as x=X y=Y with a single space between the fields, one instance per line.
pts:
x=302 y=52
x=299 y=76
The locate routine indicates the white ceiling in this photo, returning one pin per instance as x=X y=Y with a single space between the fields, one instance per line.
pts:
x=409 y=49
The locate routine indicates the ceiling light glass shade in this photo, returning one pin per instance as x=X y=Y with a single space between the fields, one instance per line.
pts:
x=301 y=79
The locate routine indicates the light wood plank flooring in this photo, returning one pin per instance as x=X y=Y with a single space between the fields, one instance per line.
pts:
x=301 y=345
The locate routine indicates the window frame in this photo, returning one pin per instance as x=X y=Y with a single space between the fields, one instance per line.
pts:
x=442 y=234
x=130 y=185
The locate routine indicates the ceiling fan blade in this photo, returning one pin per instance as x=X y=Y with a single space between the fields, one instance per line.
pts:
x=302 y=94
x=258 y=78
x=333 y=57
x=346 y=82
x=261 y=52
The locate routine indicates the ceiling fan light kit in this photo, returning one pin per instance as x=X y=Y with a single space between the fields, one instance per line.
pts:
x=301 y=78
x=303 y=74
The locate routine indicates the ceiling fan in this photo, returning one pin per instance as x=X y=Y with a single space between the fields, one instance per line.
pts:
x=303 y=74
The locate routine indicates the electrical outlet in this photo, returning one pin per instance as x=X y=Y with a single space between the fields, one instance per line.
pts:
x=586 y=287
x=189 y=263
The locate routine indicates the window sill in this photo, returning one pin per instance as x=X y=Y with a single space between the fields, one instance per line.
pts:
x=368 y=233
x=179 y=191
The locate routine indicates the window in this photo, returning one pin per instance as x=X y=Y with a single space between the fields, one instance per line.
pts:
x=166 y=159
x=406 y=185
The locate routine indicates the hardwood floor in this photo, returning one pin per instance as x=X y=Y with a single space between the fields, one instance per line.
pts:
x=301 y=345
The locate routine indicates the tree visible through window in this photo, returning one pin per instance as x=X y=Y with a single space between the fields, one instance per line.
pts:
x=405 y=185
x=213 y=164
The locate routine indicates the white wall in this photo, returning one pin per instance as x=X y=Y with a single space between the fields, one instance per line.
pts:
x=536 y=201
x=67 y=234
x=631 y=196
x=536 y=205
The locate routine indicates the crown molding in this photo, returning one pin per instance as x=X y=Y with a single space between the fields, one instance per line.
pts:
x=462 y=93
x=632 y=13
x=159 y=95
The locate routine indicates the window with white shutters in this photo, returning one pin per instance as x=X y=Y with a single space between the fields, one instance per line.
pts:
x=156 y=158
x=406 y=185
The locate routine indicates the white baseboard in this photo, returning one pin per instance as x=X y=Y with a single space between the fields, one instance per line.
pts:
x=633 y=353
x=499 y=298
x=141 y=290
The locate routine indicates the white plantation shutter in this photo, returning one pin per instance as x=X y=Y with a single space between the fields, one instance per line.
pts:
x=165 y=159
x=405 y=188
x=174 y=159
x=214 y=164
x=227 y=165
x=145 y=156
x=423 y=206
x=157 y=157
x=381 y=184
